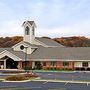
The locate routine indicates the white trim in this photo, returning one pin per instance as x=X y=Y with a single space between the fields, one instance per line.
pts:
x=26 y=22
x=22 y=42
x=57 y=60
x=9 y=54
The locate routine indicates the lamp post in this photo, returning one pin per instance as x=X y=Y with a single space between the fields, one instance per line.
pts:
x=22 y=48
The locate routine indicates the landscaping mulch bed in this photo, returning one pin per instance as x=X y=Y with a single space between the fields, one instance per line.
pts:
x=22 y=77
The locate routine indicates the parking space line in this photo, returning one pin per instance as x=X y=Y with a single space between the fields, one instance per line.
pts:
x=66 y=83
x=35 y=87
x=87 y=84
x=49 y=74
x=45 y=82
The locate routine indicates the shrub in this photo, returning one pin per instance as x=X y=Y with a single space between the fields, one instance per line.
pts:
x=27 y=68
x=31 y=75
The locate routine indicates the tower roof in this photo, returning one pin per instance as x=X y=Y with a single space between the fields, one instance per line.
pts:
x=30 y=22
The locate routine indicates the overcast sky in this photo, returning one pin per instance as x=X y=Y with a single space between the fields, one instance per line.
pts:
x=54 y=18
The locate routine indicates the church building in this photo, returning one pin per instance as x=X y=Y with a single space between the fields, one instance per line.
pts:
x=43 y=53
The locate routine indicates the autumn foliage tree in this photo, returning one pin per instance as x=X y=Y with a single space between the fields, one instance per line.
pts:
x=10 y=41
x=66 y=41
x=74 y=41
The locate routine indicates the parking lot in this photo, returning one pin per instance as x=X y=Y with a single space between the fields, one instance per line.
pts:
x=74 y=76
x=48 y=85
x=34 y=85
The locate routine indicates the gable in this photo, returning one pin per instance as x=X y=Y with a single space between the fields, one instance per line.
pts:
x=30 y=23
x=25 y=44
x=7 y=53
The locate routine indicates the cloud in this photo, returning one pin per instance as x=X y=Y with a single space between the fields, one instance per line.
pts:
x=53 y=17
x=79 y=29
x=11 y=28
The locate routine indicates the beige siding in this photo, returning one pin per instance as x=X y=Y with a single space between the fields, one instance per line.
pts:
x=88 y=64
x=29 y=38
x=17 y=48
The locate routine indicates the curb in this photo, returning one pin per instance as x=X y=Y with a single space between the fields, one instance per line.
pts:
x=63 y=81
x=3 y=80
x=17 y=81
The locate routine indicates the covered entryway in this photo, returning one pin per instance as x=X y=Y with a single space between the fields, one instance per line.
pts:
x=11 y=64
x=9 y=60
x=8 y=63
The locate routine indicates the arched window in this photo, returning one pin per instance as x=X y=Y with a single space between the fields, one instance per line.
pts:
x=32 y=30
x=27 y=30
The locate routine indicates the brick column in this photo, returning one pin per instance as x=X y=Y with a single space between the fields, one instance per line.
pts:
x=71 y=65
x=59 y=65
x=30 y=64
x=20 y=66
x=48 y=64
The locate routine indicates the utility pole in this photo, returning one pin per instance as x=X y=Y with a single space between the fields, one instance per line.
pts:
x=22 y=48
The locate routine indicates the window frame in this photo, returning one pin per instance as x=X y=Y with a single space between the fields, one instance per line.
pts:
x=44 y=64
x=53 y=63
x=33 y=29
x=27 y=31
x=85 y=64
x=65 y=64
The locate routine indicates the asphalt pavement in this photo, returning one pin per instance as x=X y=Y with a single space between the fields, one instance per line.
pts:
x=34 y=85
x=74 y=76
x=46 y=85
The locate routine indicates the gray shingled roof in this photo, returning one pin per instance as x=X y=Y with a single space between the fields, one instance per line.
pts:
x=30 y=22
x=54 y=53
x=67 y=53
x=19 y=54
x=49 y=42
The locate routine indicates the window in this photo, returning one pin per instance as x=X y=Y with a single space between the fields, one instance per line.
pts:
x=27 y=30
x=65 y=63
x=44 y=63
x=32 y=30
x=85 y=64
x=53 y=63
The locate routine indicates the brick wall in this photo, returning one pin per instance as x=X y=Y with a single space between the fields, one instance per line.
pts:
x=59 y=65
x=28 y=64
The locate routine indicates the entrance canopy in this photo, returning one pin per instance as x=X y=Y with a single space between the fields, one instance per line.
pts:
x=8 y=63
x=10 y=55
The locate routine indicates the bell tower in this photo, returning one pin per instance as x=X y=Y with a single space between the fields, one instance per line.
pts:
x=29 y=31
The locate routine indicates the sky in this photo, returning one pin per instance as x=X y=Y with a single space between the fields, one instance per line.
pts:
x=54 y=18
